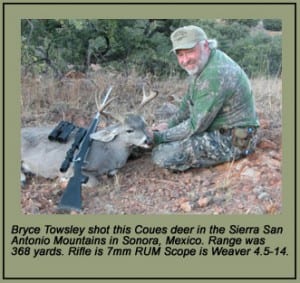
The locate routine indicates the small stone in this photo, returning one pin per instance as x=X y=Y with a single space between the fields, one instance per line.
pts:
x=263 y=196
x=267 y=144
x=203 y=202
x=186 y=207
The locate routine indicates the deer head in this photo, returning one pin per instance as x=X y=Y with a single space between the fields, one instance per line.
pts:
x=131 y=128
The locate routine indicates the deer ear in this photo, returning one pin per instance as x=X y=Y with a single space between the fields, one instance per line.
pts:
x=107 y=134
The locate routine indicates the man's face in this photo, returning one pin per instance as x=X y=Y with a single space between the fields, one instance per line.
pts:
x=194 y=59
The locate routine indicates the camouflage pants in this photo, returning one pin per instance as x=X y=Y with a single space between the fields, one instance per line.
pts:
x=205 y=150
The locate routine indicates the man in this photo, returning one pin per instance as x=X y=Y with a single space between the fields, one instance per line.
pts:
x=216 y=121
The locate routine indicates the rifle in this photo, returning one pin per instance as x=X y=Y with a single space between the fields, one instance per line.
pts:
x=71 y=198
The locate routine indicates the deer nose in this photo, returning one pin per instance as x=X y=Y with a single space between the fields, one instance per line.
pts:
x=149 y=141
x=149 y=137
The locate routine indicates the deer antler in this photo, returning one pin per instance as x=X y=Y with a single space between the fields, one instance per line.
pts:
x=105 y=103
x=147 y=98
x=101 y=106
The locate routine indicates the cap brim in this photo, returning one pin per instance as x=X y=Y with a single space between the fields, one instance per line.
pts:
x=183 y=46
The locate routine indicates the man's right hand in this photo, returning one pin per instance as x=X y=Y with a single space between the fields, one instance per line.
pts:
x=160 y=127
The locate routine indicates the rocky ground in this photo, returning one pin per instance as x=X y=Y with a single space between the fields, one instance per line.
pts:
x=249 y=186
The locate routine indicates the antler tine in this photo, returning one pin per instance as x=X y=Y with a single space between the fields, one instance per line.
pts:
x=101 y=106
x=97 y=102
x=147 y=98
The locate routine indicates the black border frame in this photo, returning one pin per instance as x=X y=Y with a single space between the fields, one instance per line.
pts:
x=294 y=277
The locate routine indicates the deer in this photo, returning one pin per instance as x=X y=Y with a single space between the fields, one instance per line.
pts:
x=108 y=152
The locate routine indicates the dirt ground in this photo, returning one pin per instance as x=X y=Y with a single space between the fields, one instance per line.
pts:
x=248 y=186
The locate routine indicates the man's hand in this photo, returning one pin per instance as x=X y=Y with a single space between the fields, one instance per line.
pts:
x=156 y=128
x=160 y=127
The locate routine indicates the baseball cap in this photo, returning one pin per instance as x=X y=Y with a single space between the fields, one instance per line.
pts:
x=187 y=37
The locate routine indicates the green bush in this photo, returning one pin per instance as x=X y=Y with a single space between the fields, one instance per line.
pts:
x=259 y=55
x=247 y=22
x=53 y=46
x=272 y=24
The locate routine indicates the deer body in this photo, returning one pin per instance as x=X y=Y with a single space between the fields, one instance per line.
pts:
x=109 y=150
x=107 y=164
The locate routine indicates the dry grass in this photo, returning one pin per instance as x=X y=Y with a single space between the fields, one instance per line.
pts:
x=45 y=100
x=268 y=95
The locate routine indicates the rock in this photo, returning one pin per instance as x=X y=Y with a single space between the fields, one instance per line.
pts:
x=267 y=144
x=203 y=202
x=275 y=155
x=263 y=196
x=251 y=173
x=264 y=124
x=186 y=206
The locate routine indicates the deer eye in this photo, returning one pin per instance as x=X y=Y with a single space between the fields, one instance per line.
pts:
x=129 y=131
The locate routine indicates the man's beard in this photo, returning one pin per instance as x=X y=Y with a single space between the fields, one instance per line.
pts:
x=200 y=66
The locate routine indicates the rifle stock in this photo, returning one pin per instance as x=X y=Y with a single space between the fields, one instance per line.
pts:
x=71 y=198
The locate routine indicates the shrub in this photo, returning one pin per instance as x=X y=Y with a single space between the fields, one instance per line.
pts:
x=53 y=46
x=259 y=55
x=272 y=24
x=247 y=22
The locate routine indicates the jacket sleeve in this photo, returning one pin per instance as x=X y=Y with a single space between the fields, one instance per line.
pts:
x=202 y=105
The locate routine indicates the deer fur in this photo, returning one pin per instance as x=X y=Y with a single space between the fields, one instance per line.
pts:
x=109 y=150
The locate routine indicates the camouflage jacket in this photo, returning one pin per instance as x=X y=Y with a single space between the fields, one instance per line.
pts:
x=220 y=97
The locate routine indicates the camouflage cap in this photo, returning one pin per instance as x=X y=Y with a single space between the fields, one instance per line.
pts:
x=187 y=37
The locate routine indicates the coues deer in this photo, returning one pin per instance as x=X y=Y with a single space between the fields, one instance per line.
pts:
x=108 y=152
